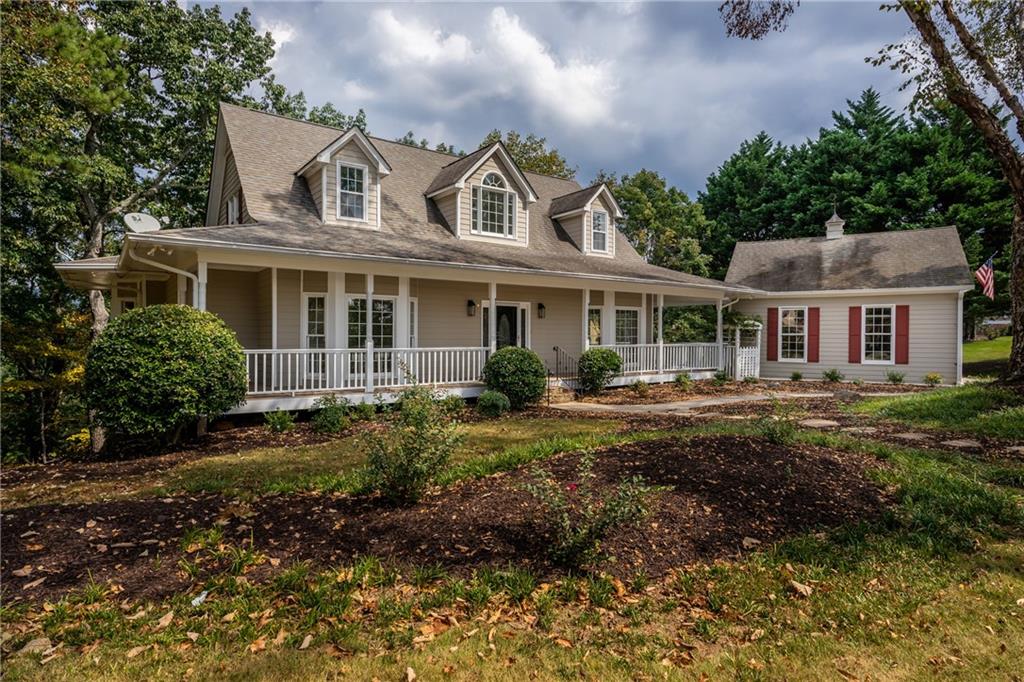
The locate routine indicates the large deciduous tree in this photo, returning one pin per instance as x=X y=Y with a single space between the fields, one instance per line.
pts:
x=970 y=54
x=532 y=153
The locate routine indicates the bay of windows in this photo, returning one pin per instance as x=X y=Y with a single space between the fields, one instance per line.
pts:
x=494 y=207
x=793 y=334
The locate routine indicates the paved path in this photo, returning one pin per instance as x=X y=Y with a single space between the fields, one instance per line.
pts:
x=683 y=406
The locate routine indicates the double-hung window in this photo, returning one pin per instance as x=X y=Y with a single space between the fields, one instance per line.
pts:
x=494 y=207
x=233 y=209
x=351 y=191
x=878 y=334
x=627 y=326
x=599 y=231
x=793 y=334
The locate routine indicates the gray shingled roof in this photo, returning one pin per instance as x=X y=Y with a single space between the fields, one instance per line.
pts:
x=450 y=174
x=574 y=200
x=874 y=260
x=268 y=149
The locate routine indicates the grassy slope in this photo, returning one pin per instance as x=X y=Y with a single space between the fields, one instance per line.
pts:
x=982 y=358
x=930 y=590
x=976 y=408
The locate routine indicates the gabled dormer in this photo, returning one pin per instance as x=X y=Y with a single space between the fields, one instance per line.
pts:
x=344 y=179
x=225 y=204
x=485 y=197
x=589 y=216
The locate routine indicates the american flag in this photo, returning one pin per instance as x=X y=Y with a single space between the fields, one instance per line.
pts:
x=986 y=278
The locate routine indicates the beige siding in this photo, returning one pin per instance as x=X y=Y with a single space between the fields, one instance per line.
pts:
x=289 y=305
x=351 y=153
x=933 y=337
x=573 y=226
x=449 y=206
x=314 y=179
x=264 y=307
x=493 y=164
x=232 y=295
x=229 y=187
x=382 y=286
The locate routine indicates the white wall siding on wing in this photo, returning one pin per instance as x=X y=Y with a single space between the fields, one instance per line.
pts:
x=933 y=336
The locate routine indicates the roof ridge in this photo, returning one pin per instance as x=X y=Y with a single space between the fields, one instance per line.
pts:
x=383 y=139
x=852 y=234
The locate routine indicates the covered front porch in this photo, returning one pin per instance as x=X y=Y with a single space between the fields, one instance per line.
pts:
x=317 y=326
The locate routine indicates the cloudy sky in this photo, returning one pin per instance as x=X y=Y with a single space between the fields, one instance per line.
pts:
x=612 y=86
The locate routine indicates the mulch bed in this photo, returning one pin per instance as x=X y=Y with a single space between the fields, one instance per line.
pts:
x=670 y=392
x=725 y=488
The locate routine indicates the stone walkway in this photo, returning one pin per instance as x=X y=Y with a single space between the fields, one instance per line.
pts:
x=683 y=406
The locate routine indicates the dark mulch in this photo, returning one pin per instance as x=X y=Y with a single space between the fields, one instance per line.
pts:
x=725 y=488
x=670 y=392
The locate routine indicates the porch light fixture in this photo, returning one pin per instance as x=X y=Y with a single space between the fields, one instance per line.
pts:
x=542 y=311
x=471 y=308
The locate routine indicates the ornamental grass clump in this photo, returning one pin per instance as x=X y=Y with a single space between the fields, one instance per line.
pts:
x=579 y=517
x=409 y=451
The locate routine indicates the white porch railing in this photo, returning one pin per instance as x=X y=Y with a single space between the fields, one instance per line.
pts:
x=308 y=370
x=638 y=358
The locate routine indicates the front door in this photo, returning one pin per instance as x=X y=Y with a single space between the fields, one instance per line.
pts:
x=510 y=325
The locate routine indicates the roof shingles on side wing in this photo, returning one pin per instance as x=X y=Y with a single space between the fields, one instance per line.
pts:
x=450 y=174
x=875 y=260
x=573 y=201
x=268 y=149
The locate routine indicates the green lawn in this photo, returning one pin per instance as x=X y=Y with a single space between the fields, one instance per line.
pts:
x=986 y=358
x=929 y=591
x=976 y=408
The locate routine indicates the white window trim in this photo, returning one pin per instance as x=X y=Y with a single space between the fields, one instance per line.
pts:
x=338 y=191
x=414 y=326
x=304 y=318
x=607 y=236
x=802 y=359
x=234 y=209
x=477 y=214
x=864 y=337
x=639 y=324
x=522 y=305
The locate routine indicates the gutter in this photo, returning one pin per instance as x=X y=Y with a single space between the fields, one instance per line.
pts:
x=160 y=266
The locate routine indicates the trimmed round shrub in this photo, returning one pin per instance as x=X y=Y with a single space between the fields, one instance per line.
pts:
x=597 y=367
x=155 y=370
x=518 y=373
x=492 y=404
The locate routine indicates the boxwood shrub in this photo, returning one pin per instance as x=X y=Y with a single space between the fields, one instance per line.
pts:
x=155 y=370
x=518 y=373
x=597 y=367
x=492 y=404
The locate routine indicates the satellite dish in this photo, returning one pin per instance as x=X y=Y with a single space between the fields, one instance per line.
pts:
x=141 y=222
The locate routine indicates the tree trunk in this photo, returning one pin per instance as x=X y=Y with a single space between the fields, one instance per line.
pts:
x=1015 y=365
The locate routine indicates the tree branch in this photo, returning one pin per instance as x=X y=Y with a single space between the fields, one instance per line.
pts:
x=985 y=64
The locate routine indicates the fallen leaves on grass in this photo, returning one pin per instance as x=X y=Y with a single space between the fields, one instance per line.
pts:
x=800 y=589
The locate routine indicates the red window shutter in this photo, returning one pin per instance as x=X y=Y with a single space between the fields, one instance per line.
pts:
x=902 y=334
x=813 y=333
x=854 y=354
x=773 y=334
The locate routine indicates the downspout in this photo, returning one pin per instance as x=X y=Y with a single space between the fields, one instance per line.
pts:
x=168 y=268
x=959 y=338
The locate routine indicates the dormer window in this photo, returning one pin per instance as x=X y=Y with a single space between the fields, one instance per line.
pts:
x=494 y=207
x=599 y=231
x=352 y=197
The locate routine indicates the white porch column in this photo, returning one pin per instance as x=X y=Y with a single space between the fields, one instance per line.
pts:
x=736 y=364
x=642 y=323
x=402 y=314
x=273 y=308
x=661 y=332
x=182 y=287
x=369 y=333
x=959 y=338
x=586 y=320
x=608 y=319
x=492 y=316
x=718 y=335
x=200 y=292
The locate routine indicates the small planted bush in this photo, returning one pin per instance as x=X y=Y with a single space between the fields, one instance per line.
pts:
x=684 y=381
x=796 y=376
x=518 y=373
x=412 y=449
x=640 y=388
x=721 y=378
x=833 y=375
x=492 y=404
x=362 y=412
x=452 y=405
x=750 y=380
x=777 y=427
x=597 y=367
x=279 y=421
x=933 y=379
x=331 y=415
x=579 y=516
x=894 y=377
x=155 y=370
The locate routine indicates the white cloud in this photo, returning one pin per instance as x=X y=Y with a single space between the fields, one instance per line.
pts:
x=411 y=43
x=281 y=31
x=354 y=91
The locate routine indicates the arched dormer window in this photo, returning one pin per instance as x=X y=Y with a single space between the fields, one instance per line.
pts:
x=494 y=207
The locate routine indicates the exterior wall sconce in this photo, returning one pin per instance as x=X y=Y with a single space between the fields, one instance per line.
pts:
x=542 y=311
x=471 y=308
